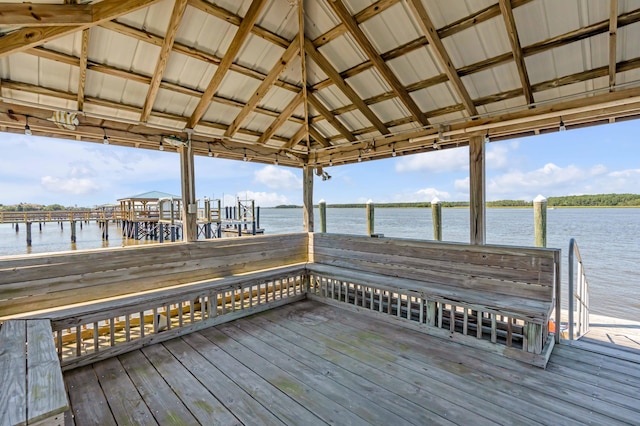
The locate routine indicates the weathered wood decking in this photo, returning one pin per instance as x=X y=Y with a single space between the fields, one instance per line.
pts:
x=309 y=363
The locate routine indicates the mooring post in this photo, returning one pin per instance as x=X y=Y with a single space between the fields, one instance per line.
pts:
x=17 y=227
x=540 y=220
x=28 y=234
x=370 y=217
x=61 y=225
x=105 y=230
x=73 y=231
x=322 y=206
x=436 y=214
x=253 y=216
x=40 y=226
x=258 y=217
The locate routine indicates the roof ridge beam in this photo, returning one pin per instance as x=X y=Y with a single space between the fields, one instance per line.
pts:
x=264 y=87
x=381 y=66
x=104 y=11
x=518 y=57
x=163 y=59
x=334 y=75
x=238 y=40
x=424 y=21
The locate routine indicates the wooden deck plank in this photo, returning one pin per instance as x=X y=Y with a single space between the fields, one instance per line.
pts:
x=239 y=402
x=353 y=401
x=87 y=400
x=570 y=399
x=286 y=409
x=13 y=361
x=414 y=407
x=124 y=400
x=328 y=410
x=202 y=404
x=595 y=361
x=162 y=402
x=482 y=407
x=43 y=373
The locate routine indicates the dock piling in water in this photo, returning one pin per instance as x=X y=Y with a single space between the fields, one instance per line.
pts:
x=370 y=217
x=436 y=213
x=73 y=231
x=322 y=205
x=540 y=220
x=28 y=233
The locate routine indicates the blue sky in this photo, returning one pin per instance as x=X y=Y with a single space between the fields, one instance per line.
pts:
x=599 y=159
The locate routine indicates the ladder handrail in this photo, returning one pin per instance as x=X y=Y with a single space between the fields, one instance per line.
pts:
x=582 y=295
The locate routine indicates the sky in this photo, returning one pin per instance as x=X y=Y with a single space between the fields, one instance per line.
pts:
x=593 y=160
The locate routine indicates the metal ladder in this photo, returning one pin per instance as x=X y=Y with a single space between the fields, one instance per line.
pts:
x=578 y=294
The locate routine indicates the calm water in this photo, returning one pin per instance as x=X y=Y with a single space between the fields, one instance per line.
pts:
x=609 y=240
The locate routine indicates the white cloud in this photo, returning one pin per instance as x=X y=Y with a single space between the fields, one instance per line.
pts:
x=73 y=186
x=429 y=193
x=446 y=160
x=277 y=178
x=461 y=184
x=264 y=199
x=497 y=156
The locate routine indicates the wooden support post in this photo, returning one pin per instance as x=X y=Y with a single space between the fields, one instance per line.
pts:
x=477 y=189
x=17 y=227
x=105 y=230
x=189 y=206
x=161 y=236
x=323 y=216
x=436 y=214
x=73 y=231
x=40 y=226
x=540 y=220
x=253 y=216
x=370 y=218
x=28 y=234
x=307 y=198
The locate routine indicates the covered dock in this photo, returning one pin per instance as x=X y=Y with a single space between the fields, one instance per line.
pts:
x=317 y=327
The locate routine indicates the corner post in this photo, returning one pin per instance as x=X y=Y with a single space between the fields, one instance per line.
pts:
x=187 y=179
x=307 y=198
x=477 y=208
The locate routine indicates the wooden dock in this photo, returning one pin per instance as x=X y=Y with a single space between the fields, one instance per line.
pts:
x=309 y=363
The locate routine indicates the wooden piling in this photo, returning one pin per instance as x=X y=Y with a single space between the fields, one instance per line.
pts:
x=73 y=231
x=17 y=227
x=322 y=205
x=540 y=220
x=370 y=217
x=105 y=230
x=436 y=214
x=28 y=234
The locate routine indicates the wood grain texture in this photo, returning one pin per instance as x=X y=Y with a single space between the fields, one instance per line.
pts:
x=29 y=14
x=13 y=373
x=46 y=395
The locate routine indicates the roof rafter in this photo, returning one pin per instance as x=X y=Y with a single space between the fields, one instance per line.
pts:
x=373 y=55
x=82 y=74
x=318 y=137
x=106 y=10
x=518 y=57
x=167 y=45
x=39 y=15
x=286 y=113
x=334 y=76
x=613 y=30
x=264 y=87
x=330 y=117
x=238 y=40
x=296 y=138
x=424 y=21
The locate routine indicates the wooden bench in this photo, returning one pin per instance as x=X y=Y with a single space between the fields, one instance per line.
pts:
x=32 y=390
x=105 y=302
x=494 y=297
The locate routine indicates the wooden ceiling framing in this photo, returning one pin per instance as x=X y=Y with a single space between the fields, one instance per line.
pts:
x=345 y=115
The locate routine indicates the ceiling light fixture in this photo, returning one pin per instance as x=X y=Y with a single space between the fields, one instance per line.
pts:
x=330 y=161
x=245 y=155
x=393 y=150
x=27 y=129
x=161 y=147
x=359 y=157
x=210 y=154
x=562 y=127
x=105 y=139
x=487 y=139
x=276 y=162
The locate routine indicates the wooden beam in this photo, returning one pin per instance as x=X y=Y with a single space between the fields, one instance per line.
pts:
x=303 y=75
x=82 y=68
x=318 y=137
x=613 y=30
x=334 y=76
x=518 y=57
x=189 y=203
x=307 y=198
x=36 y=14
x=282 y=118
x=352 y=26
x=296 y=138
x=424 y=21
x=238 y=40
x=106 y=10
x=232 y=18
x=264 y=87
x=170 y=36
x=477 y=189
x=330 y=117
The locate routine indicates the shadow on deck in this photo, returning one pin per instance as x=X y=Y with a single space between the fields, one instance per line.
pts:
x=310 y=363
